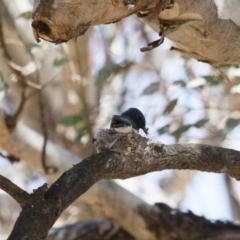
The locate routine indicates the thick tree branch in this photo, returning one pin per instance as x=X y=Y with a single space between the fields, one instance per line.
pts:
x=14 y=191
x=195 y=27
x=89 y=230
x=173 y=225
x=129 y=155
x=56 y=27
x=189 y=226
x=122 y=207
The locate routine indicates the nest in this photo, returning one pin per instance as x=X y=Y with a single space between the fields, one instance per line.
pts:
x=130 y=145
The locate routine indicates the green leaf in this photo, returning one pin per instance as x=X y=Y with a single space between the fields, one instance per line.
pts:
x=200 y=123
x=105 y=73
x=26 y=15
x=60 y=61
x=177 y=133
x=227 y=65
x=30 y=46
x=150 y=89
x=70 y=120
x=171 y=105
x=163 y=129
x=229 y=126
x=213 y=80
x=180 y=83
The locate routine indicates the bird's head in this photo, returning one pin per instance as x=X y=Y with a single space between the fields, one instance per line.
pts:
x=132 y=117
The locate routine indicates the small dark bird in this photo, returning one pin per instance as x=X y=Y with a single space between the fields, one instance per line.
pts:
x=132 y=118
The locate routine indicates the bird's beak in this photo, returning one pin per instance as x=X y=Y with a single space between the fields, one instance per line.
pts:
x=145 y=130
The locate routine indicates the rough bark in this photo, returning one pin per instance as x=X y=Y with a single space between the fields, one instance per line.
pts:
x=191 y=227
x=196 y=28
x=137 y=157
x=173 y=225
x=146 y=156
x=89 y=230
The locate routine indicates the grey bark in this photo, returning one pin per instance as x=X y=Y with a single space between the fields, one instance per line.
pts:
x=196 y=28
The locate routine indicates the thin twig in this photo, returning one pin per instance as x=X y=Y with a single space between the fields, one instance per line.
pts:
x=12 y=120
x=33 y=84
x=47 y=169
x=2 y=42
x=41 y=88
x=152 y=45
x=14 y=191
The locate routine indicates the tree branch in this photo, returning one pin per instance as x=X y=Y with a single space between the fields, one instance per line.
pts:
x=130 y=155
x=187 y=24
x=189 y=226
x=92 y=230
x=14 y=191
x=122 y=207
x=173 y=225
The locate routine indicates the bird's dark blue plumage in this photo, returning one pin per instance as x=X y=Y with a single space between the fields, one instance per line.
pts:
x=132 y=117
